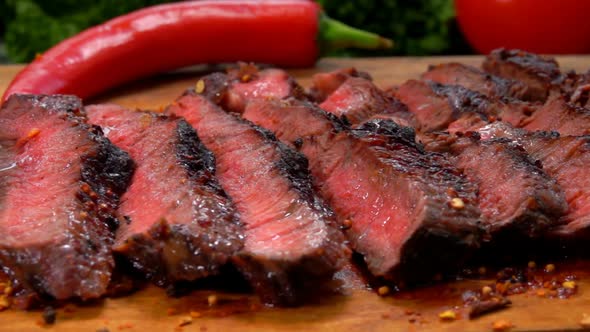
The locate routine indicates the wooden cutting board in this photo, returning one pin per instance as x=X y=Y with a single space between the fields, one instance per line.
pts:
x=151 y=310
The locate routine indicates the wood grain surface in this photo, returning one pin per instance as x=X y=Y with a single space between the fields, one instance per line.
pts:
x=152 y=310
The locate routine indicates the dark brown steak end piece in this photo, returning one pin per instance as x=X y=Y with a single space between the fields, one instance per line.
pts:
x=540 y=74
x=179 y=223
x=516 y=197
x=559 y=115
x=61 y=183
x=357 y=99
x=393 y=199
x=291 y=240
x=476 y=80
x=566 y=159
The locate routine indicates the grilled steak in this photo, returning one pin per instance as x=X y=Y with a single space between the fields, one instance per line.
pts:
x=291 y=239
x=324 y=84
x=438 y=106
x=357 y=99
x=566 y=159
x=559 y=115
x=516 y=197
x=476 y=80
x=61 y=183
x=246 y=83
x=540 y=74
x=394 y=199
x=180 y=224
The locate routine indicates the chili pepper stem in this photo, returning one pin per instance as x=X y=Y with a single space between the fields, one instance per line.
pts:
x=335 y=35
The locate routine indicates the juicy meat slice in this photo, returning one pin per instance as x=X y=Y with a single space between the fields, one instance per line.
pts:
x=291 y=239
x=476 y=80
x=515 y=194
x=179 y=225
x=60 y=185
x=540 y=74
x=559 y=115
x=357 y=99
x=324 y=84
x=453 y=107
x=566 y=159
x=393 y=198
x=248 y=83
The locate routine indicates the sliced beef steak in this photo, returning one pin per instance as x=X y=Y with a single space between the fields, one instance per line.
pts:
x=180 y=224
x=234 y=89
x=357 y=99
x=566 y=159
x=559 y=115
x=291 y=240
x=324 y=84
x=476 y=80
x=540 y=74
x=60 y=186
x=439 y=106
x=516 y=196
x=408 y=212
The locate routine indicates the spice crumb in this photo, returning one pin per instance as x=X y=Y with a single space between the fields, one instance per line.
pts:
x=447 y=315
x=549 y=268
x=171 y=311
x=49 y=315
x=569 y=284
x=501 y=325
x=482 y=270
x=200 y=86
x=486 y=290
x=104 y=329
x=195 y=314
x=532 y=265
x=212 y=300
x=457 y=203
x=185 y=321
x=383 y=290
x=541 y=293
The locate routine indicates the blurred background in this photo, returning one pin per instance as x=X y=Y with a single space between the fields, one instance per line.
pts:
x=418 y=27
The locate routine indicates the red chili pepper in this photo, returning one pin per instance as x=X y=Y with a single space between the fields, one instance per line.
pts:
x=165 y=37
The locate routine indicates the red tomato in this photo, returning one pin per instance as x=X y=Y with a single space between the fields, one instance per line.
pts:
x=540 y=26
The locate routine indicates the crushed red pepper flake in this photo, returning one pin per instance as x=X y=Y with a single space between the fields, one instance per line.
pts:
x=502 y=325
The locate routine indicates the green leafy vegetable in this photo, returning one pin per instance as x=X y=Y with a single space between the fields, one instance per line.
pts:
x=33 y=26
x=417 y=27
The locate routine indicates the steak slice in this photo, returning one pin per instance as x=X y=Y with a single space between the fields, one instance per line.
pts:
x=357 y=99
x=438 y=106
x=540 y=74
x=291 y=240
x=180 y=224
x=559 y=115
x=60 y=185
x=566 y=159
x=476 y=80
x=392 y=197
x=516 y=197
x=234 y=89
x=324 y=84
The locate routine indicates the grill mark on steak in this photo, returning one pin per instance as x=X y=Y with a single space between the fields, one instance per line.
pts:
x=515 y=194
x=540 y=74
x=474 y=79
x=180 y=224
x=559 y=115
x=566 y=159
x=291 y=240
x=391 y=196
x=61 y=183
